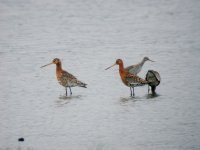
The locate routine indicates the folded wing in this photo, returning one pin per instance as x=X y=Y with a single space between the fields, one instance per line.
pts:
x=134 y=80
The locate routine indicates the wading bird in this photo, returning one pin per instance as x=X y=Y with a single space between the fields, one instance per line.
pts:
x=130 y=80
x=154 y=79
x=65 y=78
x=135 y=69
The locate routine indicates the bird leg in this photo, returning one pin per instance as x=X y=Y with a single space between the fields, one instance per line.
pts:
x=131 y=91
x=70 y=90
x=153 y=90
x=148 y=89
x=66 y=91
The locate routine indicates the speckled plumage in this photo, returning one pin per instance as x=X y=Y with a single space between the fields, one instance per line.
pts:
x=68 y=80
x=134 y=80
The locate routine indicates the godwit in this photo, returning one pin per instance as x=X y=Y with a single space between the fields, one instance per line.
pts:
x=135 y=69
x=130 y=80
x=65 y=78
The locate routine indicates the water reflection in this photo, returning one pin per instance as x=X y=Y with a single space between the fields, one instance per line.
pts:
x=151 y=96
x=63 y=97
x=63 y=100
x=125 y=100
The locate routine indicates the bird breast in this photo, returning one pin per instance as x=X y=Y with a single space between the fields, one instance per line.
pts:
x=123 y=77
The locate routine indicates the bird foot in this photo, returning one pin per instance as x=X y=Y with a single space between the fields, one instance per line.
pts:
x=133 y=95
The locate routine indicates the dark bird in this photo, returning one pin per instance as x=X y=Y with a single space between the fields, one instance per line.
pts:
x=154 y=79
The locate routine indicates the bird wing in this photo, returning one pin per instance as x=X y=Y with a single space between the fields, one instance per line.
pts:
x=69 y=78
x=153 y=77
x=157 y=76
x=135 y=80
x=68 y=75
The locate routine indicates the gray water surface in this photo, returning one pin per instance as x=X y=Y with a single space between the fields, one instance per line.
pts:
x=89 y=36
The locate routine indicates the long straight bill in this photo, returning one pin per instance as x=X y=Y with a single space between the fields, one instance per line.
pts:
x=151 y=60
x=110 y=67
x=46 y=65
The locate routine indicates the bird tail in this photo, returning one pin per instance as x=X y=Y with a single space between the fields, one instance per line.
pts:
x=81 y=84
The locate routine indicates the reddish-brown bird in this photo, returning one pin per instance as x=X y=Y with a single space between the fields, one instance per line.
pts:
x=65 y=78
x=127 y=78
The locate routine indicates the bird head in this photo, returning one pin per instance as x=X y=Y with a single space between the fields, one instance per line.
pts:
x=54 y=61
x=147 y=59
x=118 y=62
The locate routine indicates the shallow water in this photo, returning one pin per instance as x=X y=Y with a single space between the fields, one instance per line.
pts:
x=89 y=36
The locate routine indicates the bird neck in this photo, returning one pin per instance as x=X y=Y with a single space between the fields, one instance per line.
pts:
x=58 y=67
x=122 y=71
x=142 y=62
